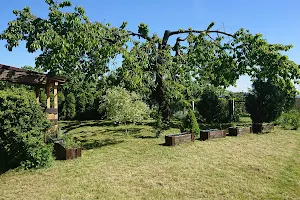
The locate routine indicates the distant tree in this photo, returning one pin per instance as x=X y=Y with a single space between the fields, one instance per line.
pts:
x=212 y=108
x=70 y=106
x=123 y=106
x=81 y=104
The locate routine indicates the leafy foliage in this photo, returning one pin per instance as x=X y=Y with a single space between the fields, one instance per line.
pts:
x=204 y=60
x=81 y=103
x=69 y=43
x=70 y=106
x=68 y=140
x=162 y=73
x=22 y=129
x=190 y=123
x=212 y=108
x=290 y=119
x=123 y=106
x=267 y=101
x=143 y=29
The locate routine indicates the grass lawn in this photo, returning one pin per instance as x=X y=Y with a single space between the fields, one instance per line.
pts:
x=120 y=164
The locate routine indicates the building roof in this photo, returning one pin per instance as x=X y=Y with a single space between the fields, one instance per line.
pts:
x=23 y=76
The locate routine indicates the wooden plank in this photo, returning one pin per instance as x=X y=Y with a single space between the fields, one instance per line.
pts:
x=51 y=116
x=51 y=110
x=48 y=96
x=211 y=134
x=175 y=139
x=55 y=95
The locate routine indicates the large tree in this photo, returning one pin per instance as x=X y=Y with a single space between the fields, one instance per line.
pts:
x=203 y=56
x=72 y=45
x=69 y=43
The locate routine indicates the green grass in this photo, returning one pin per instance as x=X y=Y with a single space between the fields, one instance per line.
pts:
x=245 y=120
x=130 y=164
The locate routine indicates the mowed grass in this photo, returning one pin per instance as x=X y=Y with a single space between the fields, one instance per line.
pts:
x=120 y=164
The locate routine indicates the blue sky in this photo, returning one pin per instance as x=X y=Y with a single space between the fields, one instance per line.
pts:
x=277 y=20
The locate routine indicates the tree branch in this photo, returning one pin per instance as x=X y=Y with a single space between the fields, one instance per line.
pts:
x=168 y=34
x=139 y=35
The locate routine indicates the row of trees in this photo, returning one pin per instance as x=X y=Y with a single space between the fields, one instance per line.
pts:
x=163 y=74
x=23 y=124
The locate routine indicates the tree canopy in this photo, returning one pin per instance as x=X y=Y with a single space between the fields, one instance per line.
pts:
x=71 y=45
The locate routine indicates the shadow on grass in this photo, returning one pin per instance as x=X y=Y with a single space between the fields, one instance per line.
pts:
x=93 y=144
x=164 y=144
x=3 y=171
x=79 y=124
x=145 y=137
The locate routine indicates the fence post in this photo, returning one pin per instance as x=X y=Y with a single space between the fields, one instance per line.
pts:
x=231 y=107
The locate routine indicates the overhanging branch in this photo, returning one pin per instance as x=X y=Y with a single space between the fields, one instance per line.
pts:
x=168 y=34
x=139 y=35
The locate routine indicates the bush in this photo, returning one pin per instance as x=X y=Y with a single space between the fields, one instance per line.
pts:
x=266 y=101
x=190 y=123
x=212 y=108
x=123 y=106
x=290 y=120
x=22 y=129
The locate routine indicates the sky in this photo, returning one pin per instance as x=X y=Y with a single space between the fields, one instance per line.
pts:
x=277 y=20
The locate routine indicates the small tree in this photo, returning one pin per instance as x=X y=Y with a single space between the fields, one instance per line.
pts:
x=266 y=101
x=190 y=123
x=123 y=106
x=212 y=108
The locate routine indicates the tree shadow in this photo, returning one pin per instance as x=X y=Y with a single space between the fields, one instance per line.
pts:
x=164 y=144
x=3 y=171
x=92 y=144
x=91 y=123
x=145 y=137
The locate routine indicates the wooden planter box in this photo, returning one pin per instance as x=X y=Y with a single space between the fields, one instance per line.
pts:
x=211 y=134
x=236 y=131
x=62 y=153
x=262 y=128
x=175 y=139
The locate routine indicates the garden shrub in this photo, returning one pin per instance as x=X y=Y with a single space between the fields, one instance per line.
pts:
x=290 y=120
x=266 y=101
x=68 y=140
x=22 y=128
x=190 y=123
x=212 y=108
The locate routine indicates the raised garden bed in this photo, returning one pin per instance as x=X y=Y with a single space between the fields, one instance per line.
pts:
x=236 y=131
x=62 y=153
x=262 y=128
x=211 y=134
x=175 y=139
